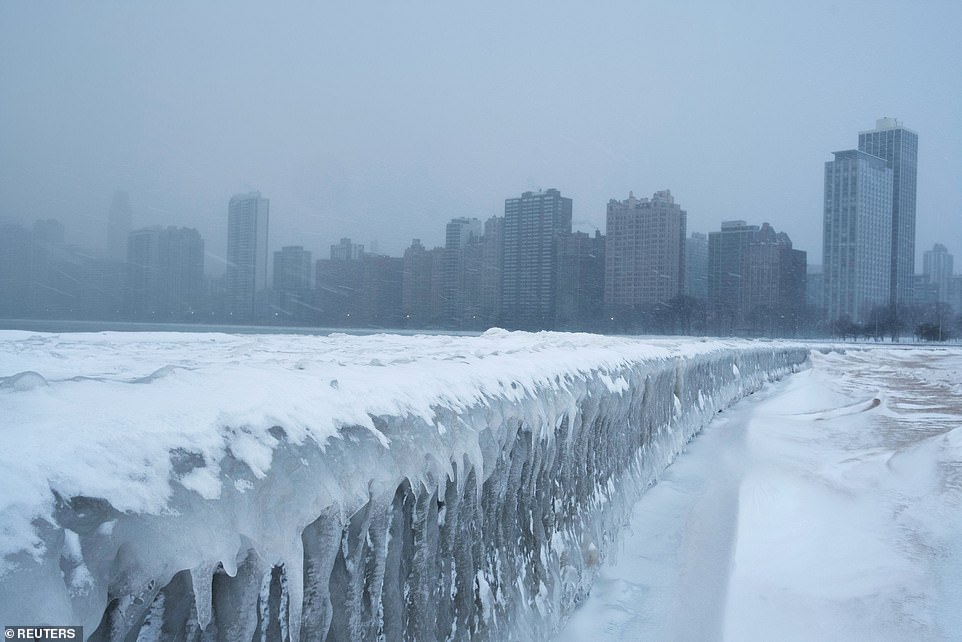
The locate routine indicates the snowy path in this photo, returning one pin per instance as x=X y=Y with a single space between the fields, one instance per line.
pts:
x=806 y=512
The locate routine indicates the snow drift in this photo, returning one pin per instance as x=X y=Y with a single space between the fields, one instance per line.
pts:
x=163 y=486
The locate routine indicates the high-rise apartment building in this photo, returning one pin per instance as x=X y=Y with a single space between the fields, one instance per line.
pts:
x=696 y=266
x=165 y=273
x=421 y=286
x=756 y=280
x=898 y=146
x=337 y=290
x=857 y=235
x=16 y=280
x=644 y=251
x=492 y=263
x=247 y=231
x=814 y=286
x=925 y=294
x=937 y=269
x=461 y=255
x=292 y=269
x=954 y=293
x=727 y=252
x=346 y=251
x=533 y=227
x=774 y=279
x=380 y=292
x=581 y=282
x=358 y=289
x=291 y=282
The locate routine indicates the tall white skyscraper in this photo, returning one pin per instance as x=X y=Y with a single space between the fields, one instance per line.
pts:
x=857 y=235
x=247 y=231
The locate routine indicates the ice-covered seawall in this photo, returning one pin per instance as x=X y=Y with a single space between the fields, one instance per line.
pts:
x=169 y=486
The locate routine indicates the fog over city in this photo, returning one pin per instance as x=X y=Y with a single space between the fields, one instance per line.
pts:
x=382 y=121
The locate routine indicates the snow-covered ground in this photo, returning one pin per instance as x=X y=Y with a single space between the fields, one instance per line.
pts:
x=438 y=486
x=807 y=512
x=354 y=487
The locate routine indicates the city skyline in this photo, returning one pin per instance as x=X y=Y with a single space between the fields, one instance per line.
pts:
x=526 y=270
x=441 y=112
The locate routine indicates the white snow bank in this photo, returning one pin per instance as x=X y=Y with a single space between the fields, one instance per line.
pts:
x=137 y=468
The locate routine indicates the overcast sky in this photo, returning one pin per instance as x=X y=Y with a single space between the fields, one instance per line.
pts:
x=382 y=121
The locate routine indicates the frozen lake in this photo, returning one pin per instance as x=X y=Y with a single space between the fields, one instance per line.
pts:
x=809 y=511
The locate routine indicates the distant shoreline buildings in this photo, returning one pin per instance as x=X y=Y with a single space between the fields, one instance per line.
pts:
x=525 y=268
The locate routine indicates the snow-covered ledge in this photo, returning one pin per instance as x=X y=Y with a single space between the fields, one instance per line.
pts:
x=338 y=487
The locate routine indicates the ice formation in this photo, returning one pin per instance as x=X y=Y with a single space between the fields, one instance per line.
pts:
x=384 y=487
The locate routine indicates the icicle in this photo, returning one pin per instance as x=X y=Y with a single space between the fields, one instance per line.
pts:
x=230 y=563
x=264 y=602
x=284 y=606
x=294 y=588
x=201 y=578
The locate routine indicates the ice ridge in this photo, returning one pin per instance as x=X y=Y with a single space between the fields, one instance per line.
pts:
x=485 y=518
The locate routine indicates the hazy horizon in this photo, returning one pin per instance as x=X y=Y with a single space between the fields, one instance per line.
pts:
x=383 y=123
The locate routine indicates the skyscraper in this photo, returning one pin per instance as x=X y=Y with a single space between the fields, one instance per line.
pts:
x=338 y=285
x=898 y=146
x=247 y=230
x=16 y=280
x=696 y=266
x=857 y=235
x=492 y=264
x=581 y=280
x=346 y=251
x=380 y=292
x=756 y=280
x=727 y=254
x=292 y=269
x=644 y=251
x=774 y=278
x=814 y=286
x=533 y=227
x=937 y=268
x=461 y=234
x=420 y=286
x=165 y=273
x=292 y=282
